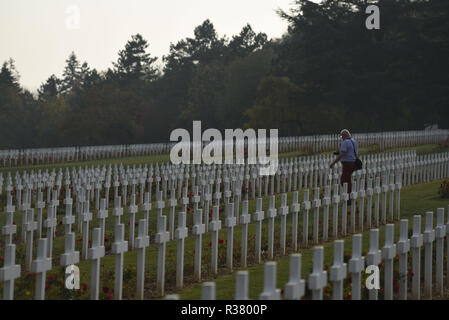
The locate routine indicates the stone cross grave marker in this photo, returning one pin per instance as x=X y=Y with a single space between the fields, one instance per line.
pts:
x=283 y=212
x=132 y=219
x=428 y=239
x=295 y=207
x=335 y=203
x=270 y=292
x=338 y=271
x=295 y=287
x=95 y=253
x=162 y=237
x=318 y=277
x=306 y=205
x=356 y=266
x=403 y=247
x=40 y=266
x=416 y=242
x=388 y=254
x=373 y=257
x=258 y=217
x=9 y=272
x=241 y=285
x=180 y=235
x=230 y=223
x=271 y=215
x=245 y=219
x=119 y=247
x=142 y=242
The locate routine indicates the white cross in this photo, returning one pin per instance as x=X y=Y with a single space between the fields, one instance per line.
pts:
x=162 y=237
x=356 y=266
x=283 y=212
x=9 y=228
x=428 y=239
x=208 y=291
x=335 y=203
x=318 y=277
x=86 y=217
x=9 y=272
x=270 y=292
x=119 y=247
x=245 y=219
x=403 y=247
x=142 y=242
x=295 y=207
x=369 y=194
x=338 y=271
x=101 y=216
x=377 y=191
x=271 y=214
x=160 y=204
x=316 y=204
x=40 y=266
x=118 y=210
x=132 y=219
x=30 y=225
x=215 y=227
x=388 y=254
x=326 y=203
x=416 y=242
x=295 y=288
x=180 y=235
x=172 y=202
x=306 y=205
x=95 y=253
x=373 y=257
x=241 y=285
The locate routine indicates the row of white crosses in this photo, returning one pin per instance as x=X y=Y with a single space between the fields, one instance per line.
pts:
x=318 y=279
x=93 y=185
x=93 y=180
x=120 y=246
x=86 y=216
x=318 y=143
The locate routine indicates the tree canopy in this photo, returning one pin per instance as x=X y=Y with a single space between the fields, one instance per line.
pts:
x=326 y=72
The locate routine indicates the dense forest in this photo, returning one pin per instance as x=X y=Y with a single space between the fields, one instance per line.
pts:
x=327 y=72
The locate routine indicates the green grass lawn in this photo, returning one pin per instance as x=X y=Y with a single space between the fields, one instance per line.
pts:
x=415 y=200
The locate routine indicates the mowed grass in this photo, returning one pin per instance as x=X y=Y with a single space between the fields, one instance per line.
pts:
x=415 y=200
x=142 y=160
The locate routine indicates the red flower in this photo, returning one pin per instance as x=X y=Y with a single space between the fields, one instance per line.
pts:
x=321 y=221
x=349 y=212
x=2 y=259
x=220 y=241
x=106 y=239
x=109 y=296
x=84 y=285
x=105 y=289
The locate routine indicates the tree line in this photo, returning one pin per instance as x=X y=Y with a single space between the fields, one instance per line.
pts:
x=325 y=73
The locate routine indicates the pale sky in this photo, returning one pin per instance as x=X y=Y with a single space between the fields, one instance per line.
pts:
x=40 y=34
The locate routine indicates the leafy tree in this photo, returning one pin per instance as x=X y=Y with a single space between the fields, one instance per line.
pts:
x=134 y=63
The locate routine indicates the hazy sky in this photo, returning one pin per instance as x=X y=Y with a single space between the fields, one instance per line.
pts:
x=40 y=34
